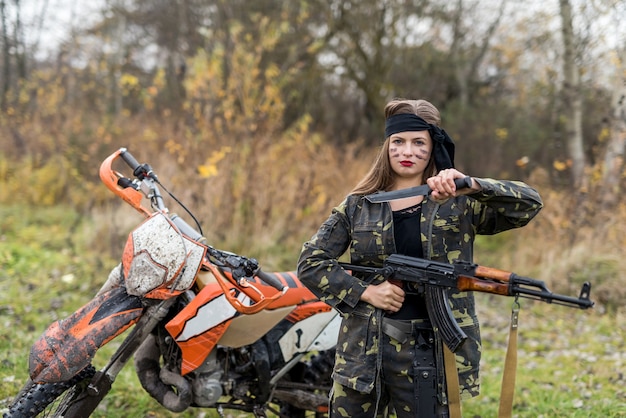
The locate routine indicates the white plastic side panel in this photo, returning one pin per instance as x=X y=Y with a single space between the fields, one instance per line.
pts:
x=328 y=337
x=301 y=336
x=246 y=329
x=213 y=313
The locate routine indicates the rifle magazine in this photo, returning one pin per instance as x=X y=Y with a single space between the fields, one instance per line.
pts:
x=442 y=318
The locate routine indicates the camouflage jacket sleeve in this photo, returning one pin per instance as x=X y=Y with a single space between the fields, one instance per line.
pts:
x=504 y=205
x=318 y=265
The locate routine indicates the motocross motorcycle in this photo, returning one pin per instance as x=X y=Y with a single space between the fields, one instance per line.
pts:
x=207 y=328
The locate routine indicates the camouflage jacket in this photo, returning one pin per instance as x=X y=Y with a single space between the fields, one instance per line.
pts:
x=366 y=230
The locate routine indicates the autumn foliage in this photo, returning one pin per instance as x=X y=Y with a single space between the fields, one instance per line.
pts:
x=257 y=185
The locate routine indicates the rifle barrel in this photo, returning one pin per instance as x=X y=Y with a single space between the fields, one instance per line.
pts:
x=544 y=295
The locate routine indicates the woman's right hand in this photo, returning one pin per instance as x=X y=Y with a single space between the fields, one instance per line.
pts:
x=385 y=296
x=443 y=187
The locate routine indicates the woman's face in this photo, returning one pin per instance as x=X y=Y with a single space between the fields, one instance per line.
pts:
x=409 y=153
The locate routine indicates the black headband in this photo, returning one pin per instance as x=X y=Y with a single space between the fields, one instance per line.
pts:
x=443 y=146
x=404 y=122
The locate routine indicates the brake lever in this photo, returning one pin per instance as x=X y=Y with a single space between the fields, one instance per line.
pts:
x=125 y=183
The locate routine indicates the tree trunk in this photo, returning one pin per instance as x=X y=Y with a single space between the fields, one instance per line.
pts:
x=466 y=66
x=572 y=101
x=6 y=57
x=614 y=157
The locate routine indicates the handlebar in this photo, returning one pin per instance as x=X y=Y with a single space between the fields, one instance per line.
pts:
x=186 y=229
x=141 y=171
x=145 y=184
x=120 y=185
x=243 y=267
x=133 y=190
x=270 y=280
x=129 y=159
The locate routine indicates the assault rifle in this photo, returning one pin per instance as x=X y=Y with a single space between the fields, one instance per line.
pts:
x=433 y=278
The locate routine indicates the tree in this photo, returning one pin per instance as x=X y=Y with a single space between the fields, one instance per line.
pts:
x=6 y=47
x=614 y=155
x=13 y=48
x=468 y=59
x=613 y=162
x=571 y=98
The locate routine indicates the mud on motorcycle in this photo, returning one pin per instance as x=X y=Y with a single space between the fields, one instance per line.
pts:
x=206 y=328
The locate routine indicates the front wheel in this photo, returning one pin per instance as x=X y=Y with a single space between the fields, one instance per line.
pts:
x=49 y=399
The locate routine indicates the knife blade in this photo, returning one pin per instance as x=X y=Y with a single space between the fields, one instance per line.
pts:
x=422 y=190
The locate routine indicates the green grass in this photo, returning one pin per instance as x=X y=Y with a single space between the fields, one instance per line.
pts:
x=571 y=363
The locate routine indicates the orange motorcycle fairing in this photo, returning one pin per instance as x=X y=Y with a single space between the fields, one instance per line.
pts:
x=304 y=311
x=197 y=333
x=69 y=345
x=210 y=318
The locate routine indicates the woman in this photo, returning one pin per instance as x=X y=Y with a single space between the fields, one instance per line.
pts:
x=389 y=358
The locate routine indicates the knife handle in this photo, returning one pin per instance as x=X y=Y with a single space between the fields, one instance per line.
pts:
x=465 y=182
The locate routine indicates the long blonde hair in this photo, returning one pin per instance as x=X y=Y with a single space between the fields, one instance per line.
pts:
x=381 y=176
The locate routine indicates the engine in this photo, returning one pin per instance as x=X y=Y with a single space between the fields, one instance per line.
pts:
x=207 y=386
x=241 y=373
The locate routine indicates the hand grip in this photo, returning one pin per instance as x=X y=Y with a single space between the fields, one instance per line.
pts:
x=465 y=182
x=270 y=280
x=129 y=159
x=141 y=171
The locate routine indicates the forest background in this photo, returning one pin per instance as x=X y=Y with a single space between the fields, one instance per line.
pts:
x=262 y=115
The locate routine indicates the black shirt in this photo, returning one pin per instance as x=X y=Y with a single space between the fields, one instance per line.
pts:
x=406 y=232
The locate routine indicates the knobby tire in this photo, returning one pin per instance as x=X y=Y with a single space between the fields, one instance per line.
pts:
x=35 y=398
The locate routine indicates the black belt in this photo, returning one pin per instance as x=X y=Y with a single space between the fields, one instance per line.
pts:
x=401 y=330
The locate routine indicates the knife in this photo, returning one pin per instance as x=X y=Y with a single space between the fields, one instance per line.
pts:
x=422 y=190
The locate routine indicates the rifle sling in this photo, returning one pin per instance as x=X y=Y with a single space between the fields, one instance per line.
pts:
x=452 y=383
x=510 y=365
x=507 y=390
